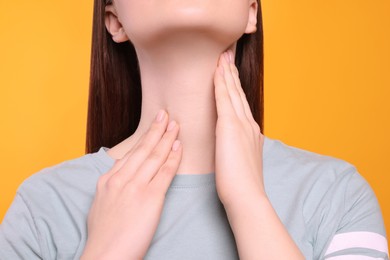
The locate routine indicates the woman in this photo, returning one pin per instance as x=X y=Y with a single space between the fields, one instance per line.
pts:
x=189 y=174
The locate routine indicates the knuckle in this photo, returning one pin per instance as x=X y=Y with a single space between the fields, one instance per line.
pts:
x=141 y=146
x=101 y=182
x=133 y=188
x=155 y=156
x=113 y=183
x=167 y=168
x=146 y=142
x=155 y=128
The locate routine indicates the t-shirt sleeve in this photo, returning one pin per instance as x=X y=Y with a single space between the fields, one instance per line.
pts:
x=18 y=233
x=360 y=233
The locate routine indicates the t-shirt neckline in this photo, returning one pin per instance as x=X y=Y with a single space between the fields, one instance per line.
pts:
x=180 y=180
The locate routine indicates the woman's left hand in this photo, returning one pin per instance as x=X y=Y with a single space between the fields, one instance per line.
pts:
x=239 y=142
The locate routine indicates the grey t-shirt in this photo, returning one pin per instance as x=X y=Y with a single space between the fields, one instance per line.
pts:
x=327 y=207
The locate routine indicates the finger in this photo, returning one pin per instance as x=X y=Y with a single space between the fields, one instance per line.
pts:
x=247 y=110
x=158 y=156
x=163 y=179
x=231 y=86
x=143 y=148
x=117 y=165
x=222 y=97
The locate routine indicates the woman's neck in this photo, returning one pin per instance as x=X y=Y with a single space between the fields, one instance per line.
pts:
x=180 y=80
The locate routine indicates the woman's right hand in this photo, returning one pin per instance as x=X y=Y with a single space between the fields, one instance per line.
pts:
x=129 y=198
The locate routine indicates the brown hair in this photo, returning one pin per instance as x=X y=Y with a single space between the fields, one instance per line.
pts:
x=114 y=106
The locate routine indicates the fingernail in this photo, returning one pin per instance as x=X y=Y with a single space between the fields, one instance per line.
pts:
x=171 y=125
x=176 y=145
x=160 y=116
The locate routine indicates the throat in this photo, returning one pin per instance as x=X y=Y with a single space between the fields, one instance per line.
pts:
x=180 y=79
x=186 y=91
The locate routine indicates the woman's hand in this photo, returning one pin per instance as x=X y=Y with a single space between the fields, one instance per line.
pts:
x=239 y=173
x=239 y=142
x=129 y=198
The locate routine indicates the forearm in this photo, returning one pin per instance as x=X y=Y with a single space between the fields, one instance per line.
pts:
x=259 y=233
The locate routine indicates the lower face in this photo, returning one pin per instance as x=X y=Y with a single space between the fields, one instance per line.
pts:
x=146 y=21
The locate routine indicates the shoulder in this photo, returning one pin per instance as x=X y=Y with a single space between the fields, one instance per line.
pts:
x=313 y=181
x=73 y=179
x=304 y=169
x=309 y=171
x=48 y=214
x=278 y=153
x=327 y=194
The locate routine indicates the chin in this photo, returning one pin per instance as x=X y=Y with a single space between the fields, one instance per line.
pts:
x=160 y=20
x=188 y=27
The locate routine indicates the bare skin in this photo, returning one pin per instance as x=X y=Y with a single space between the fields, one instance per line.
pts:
x=179 y=50
x=178 y=65
x=130 y=197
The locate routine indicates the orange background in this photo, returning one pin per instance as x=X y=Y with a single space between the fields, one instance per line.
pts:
x=327 y=84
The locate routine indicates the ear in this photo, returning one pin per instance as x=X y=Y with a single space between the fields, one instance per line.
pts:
x=252 y=19
x=113 y=25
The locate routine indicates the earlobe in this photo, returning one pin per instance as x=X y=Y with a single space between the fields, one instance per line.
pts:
x=252 y=18
x=114 y=27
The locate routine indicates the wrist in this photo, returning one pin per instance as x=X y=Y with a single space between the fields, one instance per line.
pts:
x=91 y=254
x=246 y=202
x=245 y=209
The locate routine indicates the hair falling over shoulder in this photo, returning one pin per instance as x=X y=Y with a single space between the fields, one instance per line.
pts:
x=114 y=104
